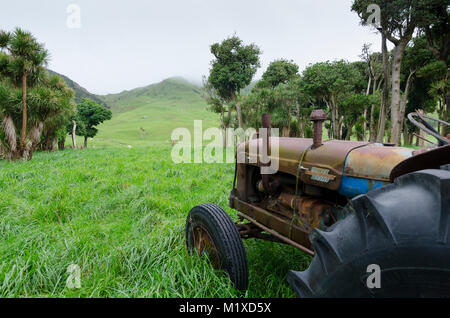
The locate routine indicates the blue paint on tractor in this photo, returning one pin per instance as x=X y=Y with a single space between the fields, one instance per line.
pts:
x=351 y=187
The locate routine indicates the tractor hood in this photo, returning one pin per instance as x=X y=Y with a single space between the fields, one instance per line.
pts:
x=350 y=167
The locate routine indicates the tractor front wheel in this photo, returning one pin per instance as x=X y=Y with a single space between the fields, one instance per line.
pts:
x=210 y=231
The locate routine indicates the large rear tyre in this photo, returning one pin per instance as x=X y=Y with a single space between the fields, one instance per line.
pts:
x=211 y=231
x=402 y=228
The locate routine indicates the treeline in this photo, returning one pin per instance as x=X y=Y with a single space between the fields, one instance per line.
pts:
x=367 y=99
x=37 y=109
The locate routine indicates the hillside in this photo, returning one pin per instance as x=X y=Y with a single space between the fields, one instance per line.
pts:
x=149 y=114
x=175 y=88
x=80 y=92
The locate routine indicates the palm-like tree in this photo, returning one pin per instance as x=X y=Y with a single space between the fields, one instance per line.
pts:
x=27 y=58
x=53 y=106
x=10 y=111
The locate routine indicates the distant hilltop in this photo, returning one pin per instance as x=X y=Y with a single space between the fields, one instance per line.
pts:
x=80 y=92
x=172 y=88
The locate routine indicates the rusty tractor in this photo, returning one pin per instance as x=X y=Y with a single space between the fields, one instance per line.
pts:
x=354 y=206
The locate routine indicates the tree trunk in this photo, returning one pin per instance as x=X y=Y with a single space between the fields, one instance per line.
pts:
x=239 y=114
x=445 y=100
x=406 y=134
x=421 y=132
x=11 y=138
x=372 y=132
x=333 y=119
x=301 y=127
x=340 y=125
x=47 y=142
x=74 y=129
x=446 y=115
x=35 y=133
x=349 y=132
x=85 y=141
x=52 y=147
x=238 y=109
x=23 y=133
x=396 y=119
x=289 y=120
x=385 y=95
x=227 y=126
x=404 y=100
x=365 y=109
x=61 y=144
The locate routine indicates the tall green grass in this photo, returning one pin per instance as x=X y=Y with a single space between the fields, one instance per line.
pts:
x=119 y=214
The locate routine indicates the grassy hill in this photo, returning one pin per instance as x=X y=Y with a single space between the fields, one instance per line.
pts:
x=80 y=92
x=175 y=88
x=148 y=115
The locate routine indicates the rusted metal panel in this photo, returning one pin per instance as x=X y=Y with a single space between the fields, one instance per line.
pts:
x=312 y=210
x=277 y=235
x=290 y=150
x=375 y=161
x=431 y=159
x=280 y=224
x=330 y=156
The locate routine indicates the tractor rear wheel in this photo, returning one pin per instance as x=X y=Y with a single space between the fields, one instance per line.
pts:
x=211 y=231
x=400 y=232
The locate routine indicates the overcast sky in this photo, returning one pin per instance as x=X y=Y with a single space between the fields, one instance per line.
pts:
x=127 y=44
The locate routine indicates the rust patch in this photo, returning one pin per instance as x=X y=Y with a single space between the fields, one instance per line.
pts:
x=374 y=161
x=431 y=159
x=331 y=156
x=312 y=210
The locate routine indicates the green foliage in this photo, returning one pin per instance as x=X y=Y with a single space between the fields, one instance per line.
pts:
x=49 y=107
x=331 y=83
x=233 y=67
x=91 y=114
x=279 y=72
x=22 y=65
x=327 y=80
x=26 y=56
x=353 y=107
x=434 y=23
x=417 y=55
x=429 y=73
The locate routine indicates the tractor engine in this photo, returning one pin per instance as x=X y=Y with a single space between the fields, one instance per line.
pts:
x=314 y=181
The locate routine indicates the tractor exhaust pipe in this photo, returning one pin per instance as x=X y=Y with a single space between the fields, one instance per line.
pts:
x=266 y=123
x=318 y=116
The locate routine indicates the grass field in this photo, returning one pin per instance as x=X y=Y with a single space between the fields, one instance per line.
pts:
x=119 y=212
x=119 y=215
